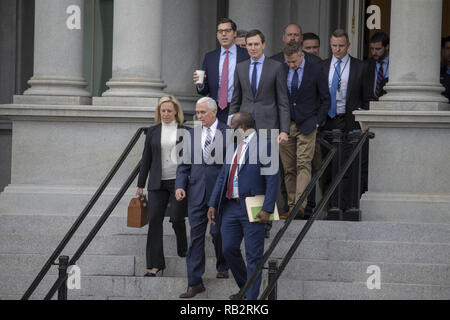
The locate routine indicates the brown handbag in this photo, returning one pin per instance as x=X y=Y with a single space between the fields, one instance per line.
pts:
x=137 y=212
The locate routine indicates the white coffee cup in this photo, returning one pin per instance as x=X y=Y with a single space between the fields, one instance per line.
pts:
x=201 y=76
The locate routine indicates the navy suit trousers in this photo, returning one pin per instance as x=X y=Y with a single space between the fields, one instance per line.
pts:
x=195 y=258
x=235 y=226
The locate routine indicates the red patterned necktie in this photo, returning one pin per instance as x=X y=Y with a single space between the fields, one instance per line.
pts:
x=233 y=170
x=223 y=94
x=380 y=78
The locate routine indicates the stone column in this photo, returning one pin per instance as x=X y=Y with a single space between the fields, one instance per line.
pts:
x=58 y=55
x=137 y=54
x=250 y=14
x=408 y=159
x=181 y=54
x=414 y=57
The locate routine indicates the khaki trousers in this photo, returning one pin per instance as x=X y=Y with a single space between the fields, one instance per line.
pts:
x=296 y=156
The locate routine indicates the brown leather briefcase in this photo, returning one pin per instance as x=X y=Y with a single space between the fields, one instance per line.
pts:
x=137 y=212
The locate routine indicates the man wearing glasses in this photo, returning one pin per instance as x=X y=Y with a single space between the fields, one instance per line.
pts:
x=219 y=68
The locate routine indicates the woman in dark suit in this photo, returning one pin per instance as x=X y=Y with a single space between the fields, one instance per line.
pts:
x=159 y=164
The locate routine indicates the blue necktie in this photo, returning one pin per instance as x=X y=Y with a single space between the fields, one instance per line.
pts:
x=334 y=89
x=294 y=86
x=254 y=78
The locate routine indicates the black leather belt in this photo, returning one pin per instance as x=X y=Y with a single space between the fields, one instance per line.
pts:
x=338 y=116
x=234 y=199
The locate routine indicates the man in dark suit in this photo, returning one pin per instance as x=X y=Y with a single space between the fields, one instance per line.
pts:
x=309 y=101
x=377 y=74
x=236 y=181
x=445 y=68
x=196 y=176
x=376 y=77
x=346 y=84
x=293 y=34
x=311 y=43
x=219 y=62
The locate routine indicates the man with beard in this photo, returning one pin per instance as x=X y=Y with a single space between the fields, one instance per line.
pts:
x=376 y=77
x=445 y=68
x=377 y=66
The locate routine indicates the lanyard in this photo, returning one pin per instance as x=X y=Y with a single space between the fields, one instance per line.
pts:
x=342 y=71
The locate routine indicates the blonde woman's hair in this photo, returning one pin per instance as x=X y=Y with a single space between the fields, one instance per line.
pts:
x=179 y=117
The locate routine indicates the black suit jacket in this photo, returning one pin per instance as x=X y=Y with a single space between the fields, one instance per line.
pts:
x=313 y=99
x=369 y=81
x=445 y=81
x=312 y=58
x=151 y=158
x=356 y=93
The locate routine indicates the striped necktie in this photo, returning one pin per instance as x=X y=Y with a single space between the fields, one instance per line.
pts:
x=208 y=145
x=380 y=78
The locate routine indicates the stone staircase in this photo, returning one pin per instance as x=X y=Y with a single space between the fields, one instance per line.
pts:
x=331 y=262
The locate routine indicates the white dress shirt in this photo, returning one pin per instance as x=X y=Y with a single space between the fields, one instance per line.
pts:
x=345 y=71
x=205 y=132
x=241 y=159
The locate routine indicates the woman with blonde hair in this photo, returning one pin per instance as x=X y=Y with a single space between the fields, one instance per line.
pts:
x=160 y=167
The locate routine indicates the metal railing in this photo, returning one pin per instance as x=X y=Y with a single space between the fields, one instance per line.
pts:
x=275 y=272
x=62 y=261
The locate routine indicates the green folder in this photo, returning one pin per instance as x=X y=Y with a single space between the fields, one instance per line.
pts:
x=254 y=206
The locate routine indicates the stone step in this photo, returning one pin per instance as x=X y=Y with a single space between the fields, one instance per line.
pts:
x=102 y=287
x=334 y=230
x=21 y=264
x=317 y=249
x=168 y=288
x=298 y=269
x=326 y=290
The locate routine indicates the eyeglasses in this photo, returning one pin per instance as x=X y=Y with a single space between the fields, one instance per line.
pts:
x=224 y=31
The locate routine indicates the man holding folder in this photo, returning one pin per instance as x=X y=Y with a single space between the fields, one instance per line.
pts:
x=246 y=176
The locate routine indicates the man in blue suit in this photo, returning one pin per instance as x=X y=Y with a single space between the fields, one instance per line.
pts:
x=196 y=176
x=246 y=176
x=219 y=66
x=309 y=102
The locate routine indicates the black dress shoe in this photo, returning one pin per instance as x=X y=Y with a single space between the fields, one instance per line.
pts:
x=193 y=291
x=222 y=274
x=182 y=254
x=235 y=296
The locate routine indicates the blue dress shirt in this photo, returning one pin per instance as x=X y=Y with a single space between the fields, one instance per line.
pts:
x=300 y=70
x=385 y=63
x=259 y=67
